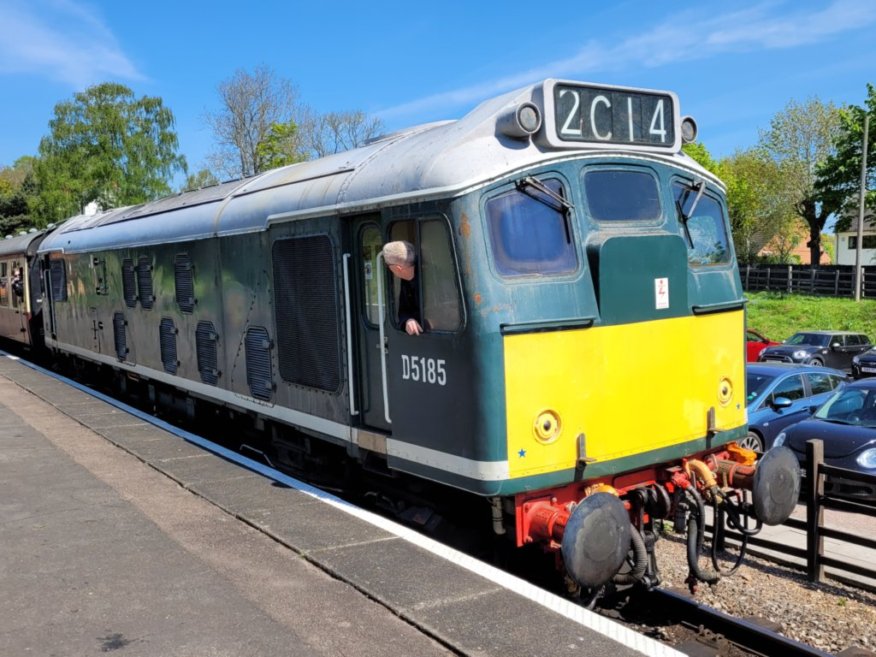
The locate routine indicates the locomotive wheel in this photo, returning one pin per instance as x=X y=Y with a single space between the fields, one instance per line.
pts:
x=596 y=540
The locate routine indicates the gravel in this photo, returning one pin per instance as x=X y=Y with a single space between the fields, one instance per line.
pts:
x=830 y=616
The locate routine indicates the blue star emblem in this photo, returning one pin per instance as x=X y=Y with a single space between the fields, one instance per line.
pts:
x=521 y=453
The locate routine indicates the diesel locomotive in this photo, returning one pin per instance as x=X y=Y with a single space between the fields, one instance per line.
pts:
x=581 y=370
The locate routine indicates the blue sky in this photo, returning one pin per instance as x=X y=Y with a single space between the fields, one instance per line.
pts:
x=733 y=64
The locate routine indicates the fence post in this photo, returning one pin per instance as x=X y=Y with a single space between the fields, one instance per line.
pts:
x=790 y=279
x=836 y=283
x=812 y=280
x=748 y=276
x=769 y=269
x=814 y=511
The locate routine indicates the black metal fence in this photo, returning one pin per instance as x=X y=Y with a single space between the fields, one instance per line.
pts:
x=827 y=280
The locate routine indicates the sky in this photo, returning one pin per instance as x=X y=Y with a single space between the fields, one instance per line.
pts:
x=733 y=64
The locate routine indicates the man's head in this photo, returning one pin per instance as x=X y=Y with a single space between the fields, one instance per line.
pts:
x=399 y=257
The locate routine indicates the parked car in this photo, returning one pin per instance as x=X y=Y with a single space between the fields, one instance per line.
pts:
x=864 y=364
x=846 y=423
x=781 y=394
x=756 y=342
x=829 y=348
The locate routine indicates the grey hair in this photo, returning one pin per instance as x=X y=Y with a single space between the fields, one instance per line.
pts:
x=398 y=253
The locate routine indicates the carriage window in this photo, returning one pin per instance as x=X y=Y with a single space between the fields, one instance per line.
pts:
x=4 y=284
x=531 y=235
x=621 y=195
x=706 y=234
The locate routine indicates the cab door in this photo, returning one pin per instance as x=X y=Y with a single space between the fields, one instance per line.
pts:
x=365 y=270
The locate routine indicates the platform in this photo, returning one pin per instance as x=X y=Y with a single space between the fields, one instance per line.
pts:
x=118 y=536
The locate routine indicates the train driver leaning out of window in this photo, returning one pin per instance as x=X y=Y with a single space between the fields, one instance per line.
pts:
x=400 y=258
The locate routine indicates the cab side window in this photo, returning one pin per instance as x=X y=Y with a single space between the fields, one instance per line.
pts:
x=791 y=388
x=436 y=276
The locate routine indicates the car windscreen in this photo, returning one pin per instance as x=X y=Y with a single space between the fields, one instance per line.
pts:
x=816 y=339
x=850 y=406
x=756 y=384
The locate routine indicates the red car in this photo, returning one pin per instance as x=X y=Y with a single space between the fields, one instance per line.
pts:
x=755 y=343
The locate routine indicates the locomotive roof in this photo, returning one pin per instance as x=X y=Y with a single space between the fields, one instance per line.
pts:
x=423 y=162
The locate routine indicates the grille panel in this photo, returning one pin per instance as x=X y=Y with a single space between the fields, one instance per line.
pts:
x=259 y=370
x=206 y=341
x=120 y=335
x=167 y=341
x=306 y=303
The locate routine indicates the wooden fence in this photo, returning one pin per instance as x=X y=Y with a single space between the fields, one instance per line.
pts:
x=831 y=280
x=812 y=555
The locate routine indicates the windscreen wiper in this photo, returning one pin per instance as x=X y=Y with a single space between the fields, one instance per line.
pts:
x=699 y=187
x=530 y=183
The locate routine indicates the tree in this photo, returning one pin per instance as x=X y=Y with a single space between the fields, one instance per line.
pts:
x=801 y=138
x=761 y=205
x=340 y=131
x=280 y=146
x=16 y=187
x=203 y=178
x=840 y=174
x=758 y=200
x=252 y=104
x=106 y=146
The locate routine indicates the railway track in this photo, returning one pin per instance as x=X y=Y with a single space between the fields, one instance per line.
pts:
x=717 y=633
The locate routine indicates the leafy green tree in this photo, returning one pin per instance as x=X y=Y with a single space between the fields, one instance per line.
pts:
x=108 y=146
x=203 y=178
x=16 y=187
x=801 y=139
x=840 y=174
x=279 y=147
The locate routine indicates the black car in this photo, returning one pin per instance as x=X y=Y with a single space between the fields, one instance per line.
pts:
x=864 y=364
x=846 y=424
x=830 y=348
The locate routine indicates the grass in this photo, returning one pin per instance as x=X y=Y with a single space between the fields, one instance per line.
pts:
x=778 y=316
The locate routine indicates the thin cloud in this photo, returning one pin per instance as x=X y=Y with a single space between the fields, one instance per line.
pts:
x=63 y=40
x=686 y=37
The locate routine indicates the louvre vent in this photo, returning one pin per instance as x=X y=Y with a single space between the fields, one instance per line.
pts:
x=185 y=282
x=259 y=372
x=206 y=340
x=120 y=335
x=144 y=282
x=58 y=274
x=306 y=304
x=167 y=339
x=128 y=283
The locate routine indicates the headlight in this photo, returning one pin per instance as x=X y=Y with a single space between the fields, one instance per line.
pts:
x=800 y=354
x=762 y=352
x=856 y=359
x=867 y=458
x=780 y=439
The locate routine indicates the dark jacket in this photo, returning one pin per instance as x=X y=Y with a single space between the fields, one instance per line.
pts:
x=408 y=302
